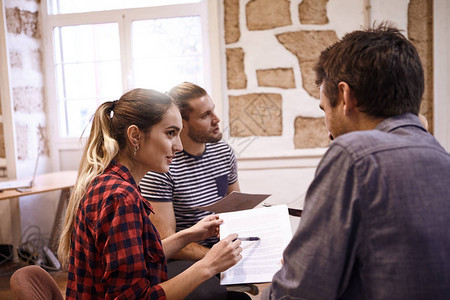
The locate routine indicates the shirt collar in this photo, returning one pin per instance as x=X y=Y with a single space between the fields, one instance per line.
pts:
x=196 y=157
x=392 y=123
x=121 y=171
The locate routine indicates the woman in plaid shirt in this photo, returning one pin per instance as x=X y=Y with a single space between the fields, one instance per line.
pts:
x=108 y=242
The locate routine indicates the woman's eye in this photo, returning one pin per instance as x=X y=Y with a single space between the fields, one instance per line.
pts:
x=171 y=133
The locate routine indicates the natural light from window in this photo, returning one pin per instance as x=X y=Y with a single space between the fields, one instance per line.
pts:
x=171 y=48
x=79 y=6
x=87 y=70
x=94 y=61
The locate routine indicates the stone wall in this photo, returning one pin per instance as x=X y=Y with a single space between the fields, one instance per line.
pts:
x=2 y=136
x=420 y=32
x=30 y=122
x=2 y=142
x=271 y=48
x=26 y=76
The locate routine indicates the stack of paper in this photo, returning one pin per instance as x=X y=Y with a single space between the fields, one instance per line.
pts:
x=260 y=259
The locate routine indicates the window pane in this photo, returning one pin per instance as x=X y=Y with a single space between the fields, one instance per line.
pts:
x=85 y=43
x=88 y=72
x=76 y=6
x=81 y=112
x=167 y=52
x=162 y=74
x=84 y=80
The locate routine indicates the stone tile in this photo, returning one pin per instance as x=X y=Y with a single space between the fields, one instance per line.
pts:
x=236 y=78
x=420 y=32
x=310 y=133
x=44 y=147
x=22 y=141
x=268 y=14
x=2 y=142
x=256 y=114
x=28 y=99
x=309 y=78
x=13 y=20
x=420 y=20
x=21 y=21
x=313 y=12
x=15 y=59
x=280 y=77
x=36 y=60
x=306 y=46
x=231 y=21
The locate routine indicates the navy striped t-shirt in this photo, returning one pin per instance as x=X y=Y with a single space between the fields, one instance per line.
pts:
x=193 y=181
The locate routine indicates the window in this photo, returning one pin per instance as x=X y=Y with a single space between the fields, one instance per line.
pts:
x=175 y=44
x=88 y=71
x=94 y=56
x=56 y=7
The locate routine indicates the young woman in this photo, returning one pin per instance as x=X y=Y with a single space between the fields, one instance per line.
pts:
x=108 y=241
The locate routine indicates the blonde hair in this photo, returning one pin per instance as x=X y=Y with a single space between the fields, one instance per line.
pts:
x=141 y=107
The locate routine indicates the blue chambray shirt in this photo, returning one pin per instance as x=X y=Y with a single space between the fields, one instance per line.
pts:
x=376 y=220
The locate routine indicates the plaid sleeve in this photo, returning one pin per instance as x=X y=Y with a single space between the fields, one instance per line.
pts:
x=157 y=187
x=127 y=274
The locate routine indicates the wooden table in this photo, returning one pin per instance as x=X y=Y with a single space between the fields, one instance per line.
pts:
x=43 y=183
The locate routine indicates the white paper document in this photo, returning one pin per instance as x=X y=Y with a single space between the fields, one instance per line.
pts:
x=260 y=259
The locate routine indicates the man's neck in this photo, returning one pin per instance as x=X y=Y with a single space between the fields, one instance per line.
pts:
x=191 y=146
x=366 y=122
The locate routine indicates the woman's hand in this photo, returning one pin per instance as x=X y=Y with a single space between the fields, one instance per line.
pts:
x=223 y=255
x=220 y=257
x=205 y=228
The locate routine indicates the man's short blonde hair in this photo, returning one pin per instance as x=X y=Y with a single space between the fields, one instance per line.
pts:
x=184 y=92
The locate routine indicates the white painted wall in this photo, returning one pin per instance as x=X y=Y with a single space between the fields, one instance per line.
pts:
x=442 y=72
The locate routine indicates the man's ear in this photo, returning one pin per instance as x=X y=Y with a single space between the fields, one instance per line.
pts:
x=134 y=135
x=347 y=96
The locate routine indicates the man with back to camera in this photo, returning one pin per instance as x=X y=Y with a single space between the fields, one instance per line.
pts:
x=376 y=216
x=202 y=174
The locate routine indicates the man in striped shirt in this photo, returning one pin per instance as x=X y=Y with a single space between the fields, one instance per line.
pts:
x=202 y=174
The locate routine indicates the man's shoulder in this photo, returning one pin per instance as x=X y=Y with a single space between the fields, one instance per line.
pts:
x=218 y=151
x=213 y=152
x=220 y=145
x=358 y=144
x=361 y=137
x=155 y=176
x=363 y=143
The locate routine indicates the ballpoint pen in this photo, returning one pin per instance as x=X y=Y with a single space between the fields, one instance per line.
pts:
x=249 y=238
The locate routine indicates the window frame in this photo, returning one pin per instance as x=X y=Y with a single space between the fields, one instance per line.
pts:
x=207 y=10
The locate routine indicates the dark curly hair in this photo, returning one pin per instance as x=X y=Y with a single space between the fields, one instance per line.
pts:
x=381 y=66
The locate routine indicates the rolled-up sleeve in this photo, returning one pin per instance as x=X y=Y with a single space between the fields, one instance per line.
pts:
x=127 y=275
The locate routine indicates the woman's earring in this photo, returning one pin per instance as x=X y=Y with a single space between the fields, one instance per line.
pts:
x=136 y=148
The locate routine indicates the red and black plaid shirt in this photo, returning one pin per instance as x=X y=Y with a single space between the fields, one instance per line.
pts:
x=116 y=251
